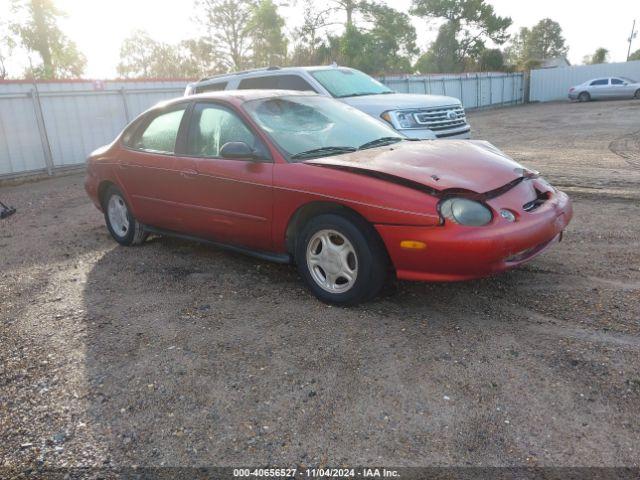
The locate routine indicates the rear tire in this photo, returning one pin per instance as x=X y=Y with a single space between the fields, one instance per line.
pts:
x=122 y=225
x=584 y=97
x=637 y=94
x=341 y=258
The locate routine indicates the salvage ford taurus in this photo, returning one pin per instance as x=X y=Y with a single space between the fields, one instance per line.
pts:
x=301 y=178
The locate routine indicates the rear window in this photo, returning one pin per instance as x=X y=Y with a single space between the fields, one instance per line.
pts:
x=212 y=87
x=276 y=82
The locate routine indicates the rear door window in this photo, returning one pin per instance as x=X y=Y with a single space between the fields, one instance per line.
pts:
x=160 y=133
x=277 y=82
x=601 y=81
x=212 y=87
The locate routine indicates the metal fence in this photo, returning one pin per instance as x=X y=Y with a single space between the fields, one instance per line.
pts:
x=554 y=83
x=475 y=90
x=55 y=125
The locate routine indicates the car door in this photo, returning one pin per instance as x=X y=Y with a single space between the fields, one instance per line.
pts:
x=149 y=170
x=230 y=200
x=598 y=88
x=620 y=88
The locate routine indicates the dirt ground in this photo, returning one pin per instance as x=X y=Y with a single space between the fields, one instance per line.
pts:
x=175 y=354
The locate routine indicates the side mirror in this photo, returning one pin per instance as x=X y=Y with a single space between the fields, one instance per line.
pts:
x=239 y=150
x=236 y=150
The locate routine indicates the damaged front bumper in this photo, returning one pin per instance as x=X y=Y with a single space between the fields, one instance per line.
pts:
x=454 y=252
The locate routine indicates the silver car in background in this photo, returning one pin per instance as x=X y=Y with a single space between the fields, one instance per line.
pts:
x=604 y=88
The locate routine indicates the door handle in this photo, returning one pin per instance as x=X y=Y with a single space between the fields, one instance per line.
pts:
x=188 y=173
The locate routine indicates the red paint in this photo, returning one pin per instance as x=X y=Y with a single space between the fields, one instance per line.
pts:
x=251 y=203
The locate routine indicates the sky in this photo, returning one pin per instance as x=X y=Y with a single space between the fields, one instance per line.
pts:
x=99 y=26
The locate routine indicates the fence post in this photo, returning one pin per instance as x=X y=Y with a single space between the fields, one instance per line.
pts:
x=490 y=89
x=424 y=81
x=444 y=87
x=123 y=95
x=461 y=89
x=502 y=94
x=42 y=130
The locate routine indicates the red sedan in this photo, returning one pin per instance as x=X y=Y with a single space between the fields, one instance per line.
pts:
x=300 y=178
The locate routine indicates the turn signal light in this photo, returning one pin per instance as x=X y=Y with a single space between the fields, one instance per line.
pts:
x=413 y=245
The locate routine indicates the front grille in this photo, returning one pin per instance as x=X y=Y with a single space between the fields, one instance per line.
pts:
x=441 y=118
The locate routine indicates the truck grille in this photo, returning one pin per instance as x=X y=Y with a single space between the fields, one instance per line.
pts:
x=441 y=118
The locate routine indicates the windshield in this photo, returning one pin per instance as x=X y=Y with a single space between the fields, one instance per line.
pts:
x=315 y=126
x=344 y=82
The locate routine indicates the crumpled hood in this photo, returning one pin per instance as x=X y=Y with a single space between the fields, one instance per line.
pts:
x=471 y=165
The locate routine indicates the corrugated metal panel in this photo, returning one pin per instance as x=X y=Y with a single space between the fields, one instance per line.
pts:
x=473 y=90
x=78 y=116
x=553 y=83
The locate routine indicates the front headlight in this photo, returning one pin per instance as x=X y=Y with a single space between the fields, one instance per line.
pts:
x=465 y=212
x=401 y=119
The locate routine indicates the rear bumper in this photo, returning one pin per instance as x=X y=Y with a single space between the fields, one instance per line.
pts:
x=91 y=187
x=455 y=252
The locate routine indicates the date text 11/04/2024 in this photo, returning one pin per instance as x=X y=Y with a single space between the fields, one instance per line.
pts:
x=315 y=473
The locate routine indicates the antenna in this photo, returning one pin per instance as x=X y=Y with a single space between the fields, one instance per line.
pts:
x=633 y=35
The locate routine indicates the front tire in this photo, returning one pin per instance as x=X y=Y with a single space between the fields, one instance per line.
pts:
x=584 y=97
x=637 y=94
x=122 y=225
x=341 y=258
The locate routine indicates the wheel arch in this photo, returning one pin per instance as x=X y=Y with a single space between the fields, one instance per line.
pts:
x=312 y=209
x=102 y=190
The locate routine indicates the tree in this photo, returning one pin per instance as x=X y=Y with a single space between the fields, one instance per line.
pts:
x=531 y=46
x=392 y=39
x=491 y=60
x=469 y=24
x=635 y=56
x=601 y=55
x=441 y=56
x=227 y=23
x=310 y=46
x=268 y=43
x=143 y=57
x=6 y=46
x=35 y=26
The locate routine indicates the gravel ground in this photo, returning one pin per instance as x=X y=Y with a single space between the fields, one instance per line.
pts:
x=183 y=355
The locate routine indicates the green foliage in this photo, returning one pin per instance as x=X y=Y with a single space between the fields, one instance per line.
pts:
x=469 y=24
x=635 y=55
x=383 y=43
x=531 y=46
x=601 y=55
x=309 y=44
x=491 y=60
x=227 y=23
x=268 y=42
x=143 y=57
x=35 y=26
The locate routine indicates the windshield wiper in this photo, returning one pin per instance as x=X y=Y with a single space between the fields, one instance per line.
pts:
x=379 y=142
x=323 y=151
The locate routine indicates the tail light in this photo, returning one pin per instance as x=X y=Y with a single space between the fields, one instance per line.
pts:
x=571 y=89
